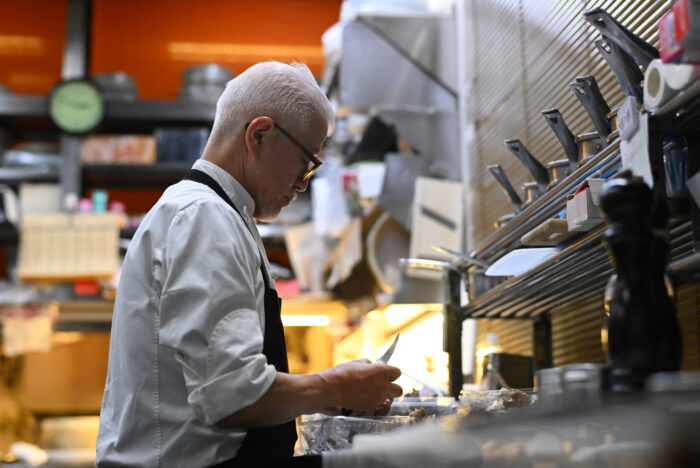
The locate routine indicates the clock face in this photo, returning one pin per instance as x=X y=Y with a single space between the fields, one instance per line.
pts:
x=76 y=106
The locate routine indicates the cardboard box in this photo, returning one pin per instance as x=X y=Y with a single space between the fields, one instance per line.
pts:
x=118 y=149
x=679 y=33
x=582 y=207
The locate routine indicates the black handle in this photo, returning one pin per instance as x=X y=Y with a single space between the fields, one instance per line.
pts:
x=640 y=50
x=623 y=65
x=499 y=174
x=538 y=171
x=566 y=138
x=586 y=90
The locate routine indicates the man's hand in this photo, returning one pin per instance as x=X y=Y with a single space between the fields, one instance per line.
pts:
x=365 y=387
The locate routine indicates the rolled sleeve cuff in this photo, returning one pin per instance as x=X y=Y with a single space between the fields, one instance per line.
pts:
x=229 y=393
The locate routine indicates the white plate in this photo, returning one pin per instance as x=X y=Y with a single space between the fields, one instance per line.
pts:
x=519 y=261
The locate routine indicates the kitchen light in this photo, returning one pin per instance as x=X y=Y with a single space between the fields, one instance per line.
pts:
x=305 y=320
x=214 y=51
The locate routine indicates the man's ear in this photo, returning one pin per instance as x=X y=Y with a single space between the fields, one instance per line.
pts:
x=257 y=130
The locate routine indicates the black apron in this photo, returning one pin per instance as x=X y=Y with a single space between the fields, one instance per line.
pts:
x=267 y=446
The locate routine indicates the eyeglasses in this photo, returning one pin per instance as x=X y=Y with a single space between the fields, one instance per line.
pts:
x=313 y=162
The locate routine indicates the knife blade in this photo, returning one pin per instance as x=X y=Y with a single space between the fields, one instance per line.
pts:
x=383 y=359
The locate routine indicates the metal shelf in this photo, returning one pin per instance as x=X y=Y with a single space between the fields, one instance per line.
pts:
x=22 y=105
x=157 y=111
x=577 y=273
x=549 y=285
x=15 y=175
x=133 y=176
x=87 y=315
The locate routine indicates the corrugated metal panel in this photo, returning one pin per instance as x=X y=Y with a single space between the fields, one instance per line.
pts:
x=526 y=54
x=514 y=336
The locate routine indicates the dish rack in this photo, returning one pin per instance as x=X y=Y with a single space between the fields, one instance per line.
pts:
x=64 y=247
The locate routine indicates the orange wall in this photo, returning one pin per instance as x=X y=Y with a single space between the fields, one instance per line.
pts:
x=155 y=40
x=32 y=33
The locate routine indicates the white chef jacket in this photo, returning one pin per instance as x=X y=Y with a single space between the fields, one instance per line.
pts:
x=187 y=331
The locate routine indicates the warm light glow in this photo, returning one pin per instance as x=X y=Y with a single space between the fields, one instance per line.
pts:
x=305 y=320
x=66 y=338
x=21 y=45
x=374 y=315
x=398 y=314
x=30 y=79
x=214 y=52
x=419 y=354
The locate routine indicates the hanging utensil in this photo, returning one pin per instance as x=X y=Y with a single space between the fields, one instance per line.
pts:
x=499 y=174
x=564 y=135
x=477 y=281
x=640 y=50
x=461 y=256
x=538 y=171
x=586 y=90
x=623 y=65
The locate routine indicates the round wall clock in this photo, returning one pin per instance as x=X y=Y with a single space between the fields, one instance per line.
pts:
x=76 y=106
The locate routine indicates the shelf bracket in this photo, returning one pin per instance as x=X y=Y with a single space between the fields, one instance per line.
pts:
x=453 y=330
x=542 y=341
x=76 y=58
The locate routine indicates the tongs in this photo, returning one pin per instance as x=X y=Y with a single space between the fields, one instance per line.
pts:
x=383 y=359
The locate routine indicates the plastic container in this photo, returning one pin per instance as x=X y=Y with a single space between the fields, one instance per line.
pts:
x=320 y=434
x=433 y=406
x=493 y=401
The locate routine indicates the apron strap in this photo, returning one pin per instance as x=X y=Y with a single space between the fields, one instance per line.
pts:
x=196 y=175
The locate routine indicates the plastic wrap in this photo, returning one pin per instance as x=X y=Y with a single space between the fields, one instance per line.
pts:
x=322 y=434
x=432 y=406
x=492 y=401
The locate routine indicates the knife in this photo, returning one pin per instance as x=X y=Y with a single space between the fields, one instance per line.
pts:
x=383 y=359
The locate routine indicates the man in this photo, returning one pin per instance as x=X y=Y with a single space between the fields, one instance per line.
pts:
x=197 y=364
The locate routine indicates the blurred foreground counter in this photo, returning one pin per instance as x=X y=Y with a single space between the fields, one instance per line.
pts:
x=636 y=433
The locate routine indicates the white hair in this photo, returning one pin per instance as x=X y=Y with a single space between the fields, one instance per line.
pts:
x=289 y=93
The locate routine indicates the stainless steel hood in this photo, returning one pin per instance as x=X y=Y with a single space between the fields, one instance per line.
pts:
x=403 y=69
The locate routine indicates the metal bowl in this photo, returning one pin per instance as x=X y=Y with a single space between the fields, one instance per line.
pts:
x=117 y=86
x=204 y=82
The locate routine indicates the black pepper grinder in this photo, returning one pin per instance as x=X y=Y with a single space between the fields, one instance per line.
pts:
x=642 y=326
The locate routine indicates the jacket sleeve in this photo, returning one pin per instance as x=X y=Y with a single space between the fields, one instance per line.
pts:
x=208 y=312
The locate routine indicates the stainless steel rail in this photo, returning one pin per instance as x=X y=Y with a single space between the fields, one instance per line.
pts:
x=577 y=273
x=546 y=206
